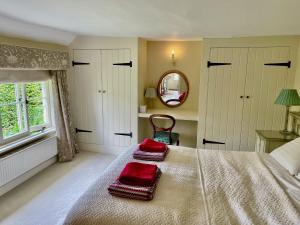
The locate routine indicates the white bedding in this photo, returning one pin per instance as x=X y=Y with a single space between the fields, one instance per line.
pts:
x=177 y=198
x=239 y=188
x=224 y=188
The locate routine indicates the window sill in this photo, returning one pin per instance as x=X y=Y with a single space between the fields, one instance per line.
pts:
x=26 y=140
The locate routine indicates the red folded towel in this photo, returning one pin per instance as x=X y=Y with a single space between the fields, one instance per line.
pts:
x=134 y=192
x=138 y=174
x=150 y=156
x=149 y=145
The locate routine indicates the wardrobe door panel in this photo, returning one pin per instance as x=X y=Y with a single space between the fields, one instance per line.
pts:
x=116 y=89
x=225 y=98
x=263 y=84
x=87 y=102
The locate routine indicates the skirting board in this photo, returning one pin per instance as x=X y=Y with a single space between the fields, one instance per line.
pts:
x=101 y=148
x=9 y=186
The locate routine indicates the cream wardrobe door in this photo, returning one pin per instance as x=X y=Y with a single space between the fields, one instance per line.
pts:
x=116 y=80
x=224 y=104
x=263 y=84
x=87 y=102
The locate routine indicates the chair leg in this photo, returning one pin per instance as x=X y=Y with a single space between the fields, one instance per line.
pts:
x=177 y=142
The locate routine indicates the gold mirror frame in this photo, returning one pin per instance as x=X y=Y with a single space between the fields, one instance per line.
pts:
x=161 y=79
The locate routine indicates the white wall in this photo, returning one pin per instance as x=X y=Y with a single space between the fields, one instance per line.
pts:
x=297 y=76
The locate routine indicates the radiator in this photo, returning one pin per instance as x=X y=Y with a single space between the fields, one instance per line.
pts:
x=16 y=164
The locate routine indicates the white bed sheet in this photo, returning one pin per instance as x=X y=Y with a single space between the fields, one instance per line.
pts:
x=202 y=187
x=177 y=199
x=289 y=183
x=239 y=188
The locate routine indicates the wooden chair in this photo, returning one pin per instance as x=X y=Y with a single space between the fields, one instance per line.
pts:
x=164 y=134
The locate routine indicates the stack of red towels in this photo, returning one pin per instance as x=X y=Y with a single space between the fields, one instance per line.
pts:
x=136 y=181
x=151 y=150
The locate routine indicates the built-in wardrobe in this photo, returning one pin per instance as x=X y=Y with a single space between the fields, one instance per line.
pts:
x=239 y=87
x=102 y=96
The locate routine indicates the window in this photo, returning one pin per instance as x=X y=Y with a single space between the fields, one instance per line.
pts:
x=24 y=109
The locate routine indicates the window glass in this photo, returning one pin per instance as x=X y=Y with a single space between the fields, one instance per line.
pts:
x=12 y=109
x=37 y=103
x=24 y=109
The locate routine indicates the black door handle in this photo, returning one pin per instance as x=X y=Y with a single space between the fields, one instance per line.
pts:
x=124 y=134
x=83 y=131
x=212 y=142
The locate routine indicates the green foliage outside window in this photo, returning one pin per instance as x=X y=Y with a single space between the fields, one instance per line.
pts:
x=13 y=107
x=8 y=110
x=34 y=94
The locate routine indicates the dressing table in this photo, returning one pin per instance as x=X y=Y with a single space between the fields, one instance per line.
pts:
x=188 y=115
x=172 y=91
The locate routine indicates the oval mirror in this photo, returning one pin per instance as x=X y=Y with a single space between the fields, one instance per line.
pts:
x=173 y=88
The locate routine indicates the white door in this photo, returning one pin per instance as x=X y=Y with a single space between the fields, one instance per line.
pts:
x=87 y=101
x=224 y=103
x=102 y=97
x=116 y=88
x=263 y=84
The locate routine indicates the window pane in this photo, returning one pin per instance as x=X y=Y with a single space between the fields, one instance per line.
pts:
x=12 y=109
x=13 y=119
x=37 y=102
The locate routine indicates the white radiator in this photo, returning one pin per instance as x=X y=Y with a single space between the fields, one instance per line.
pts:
x=14 y=165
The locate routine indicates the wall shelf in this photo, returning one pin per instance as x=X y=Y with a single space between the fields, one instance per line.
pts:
x=188 y=115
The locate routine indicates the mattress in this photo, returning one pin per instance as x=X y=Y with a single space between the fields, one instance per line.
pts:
x=196 y=187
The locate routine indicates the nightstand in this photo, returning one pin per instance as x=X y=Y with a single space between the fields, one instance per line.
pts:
x=268 y=140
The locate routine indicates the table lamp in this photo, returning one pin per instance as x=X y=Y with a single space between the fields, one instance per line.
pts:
x=150 y=93
x=287 y=97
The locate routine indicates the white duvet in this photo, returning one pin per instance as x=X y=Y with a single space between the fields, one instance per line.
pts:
x=196 y=187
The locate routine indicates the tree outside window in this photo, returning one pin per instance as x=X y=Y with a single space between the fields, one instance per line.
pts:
x=24 y=108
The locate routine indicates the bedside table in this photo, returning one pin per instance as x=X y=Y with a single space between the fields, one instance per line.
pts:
x=268 y=140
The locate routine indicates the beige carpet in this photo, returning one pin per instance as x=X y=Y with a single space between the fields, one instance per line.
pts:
x=46 y=198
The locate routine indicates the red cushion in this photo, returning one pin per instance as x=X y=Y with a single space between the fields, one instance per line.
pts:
x=149 y=145
x=138 y=174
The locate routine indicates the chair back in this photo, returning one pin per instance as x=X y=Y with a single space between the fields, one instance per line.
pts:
x=157 y=128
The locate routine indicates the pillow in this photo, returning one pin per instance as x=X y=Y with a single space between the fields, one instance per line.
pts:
x=288 y=155
x=298 y=176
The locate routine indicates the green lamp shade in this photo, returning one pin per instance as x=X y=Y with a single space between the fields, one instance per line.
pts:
x=288 y=97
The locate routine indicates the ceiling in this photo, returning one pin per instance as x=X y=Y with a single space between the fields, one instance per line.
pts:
x=59 y=21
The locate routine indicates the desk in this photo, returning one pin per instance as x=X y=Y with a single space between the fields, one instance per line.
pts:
x=186 y=124
x=177 y=114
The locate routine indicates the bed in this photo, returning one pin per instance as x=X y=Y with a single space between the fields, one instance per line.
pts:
x=197 y=187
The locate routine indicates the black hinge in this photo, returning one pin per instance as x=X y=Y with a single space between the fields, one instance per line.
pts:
x=123 y=64
x=212 y=142
x=83 y=131
x=287 y=64
x=125 y=134
x=79 y=63
x=209 y=64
